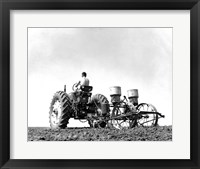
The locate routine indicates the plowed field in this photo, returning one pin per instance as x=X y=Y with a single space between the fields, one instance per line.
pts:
x=159 y=133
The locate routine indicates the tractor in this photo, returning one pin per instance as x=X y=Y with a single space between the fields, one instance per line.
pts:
x=80 y=105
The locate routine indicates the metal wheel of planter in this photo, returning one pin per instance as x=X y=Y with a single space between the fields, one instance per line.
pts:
x=119 y=118
x=146 y=119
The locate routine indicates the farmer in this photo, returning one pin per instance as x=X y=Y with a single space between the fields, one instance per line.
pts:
x=84 y=81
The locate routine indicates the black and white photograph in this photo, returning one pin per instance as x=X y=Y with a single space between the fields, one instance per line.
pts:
x=100 y=83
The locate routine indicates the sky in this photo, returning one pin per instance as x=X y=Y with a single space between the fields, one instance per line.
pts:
x=132 y=58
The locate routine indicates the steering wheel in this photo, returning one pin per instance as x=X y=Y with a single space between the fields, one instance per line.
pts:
x=74 y=88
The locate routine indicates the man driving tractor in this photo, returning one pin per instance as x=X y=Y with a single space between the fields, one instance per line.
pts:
x=78 y=91
x=84 y=81
x=77 y=87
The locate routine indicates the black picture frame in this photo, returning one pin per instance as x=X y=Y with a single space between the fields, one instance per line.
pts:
x=7 y=5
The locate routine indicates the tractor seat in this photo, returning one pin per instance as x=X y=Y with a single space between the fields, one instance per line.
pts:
x=86 y=88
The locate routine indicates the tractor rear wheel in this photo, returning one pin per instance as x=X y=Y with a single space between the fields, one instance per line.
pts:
x=60 y=110
x=101 y=104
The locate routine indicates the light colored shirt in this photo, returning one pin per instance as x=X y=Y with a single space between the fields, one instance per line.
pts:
x=85 y=81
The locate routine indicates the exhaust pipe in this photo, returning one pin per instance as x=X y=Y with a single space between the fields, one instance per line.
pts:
x=65 y=88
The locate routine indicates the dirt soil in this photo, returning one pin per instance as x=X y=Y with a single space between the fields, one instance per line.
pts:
x=159 y=133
